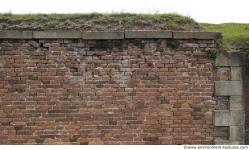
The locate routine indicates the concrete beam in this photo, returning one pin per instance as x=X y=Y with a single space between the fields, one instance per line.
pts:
x=103 y=35
x=147 y=34
x=98 y=35
x=196 y=35
x=56 y=35
x=228 y=88
x=15 y=35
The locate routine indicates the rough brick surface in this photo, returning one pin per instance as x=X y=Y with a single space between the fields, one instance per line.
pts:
x=106 y=92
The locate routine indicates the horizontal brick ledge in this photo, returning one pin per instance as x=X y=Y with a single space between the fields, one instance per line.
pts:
x=98 y=35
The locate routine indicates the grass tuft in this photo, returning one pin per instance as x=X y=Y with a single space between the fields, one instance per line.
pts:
x=97 y=21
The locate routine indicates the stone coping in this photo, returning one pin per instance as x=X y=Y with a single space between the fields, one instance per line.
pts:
x=105 y=35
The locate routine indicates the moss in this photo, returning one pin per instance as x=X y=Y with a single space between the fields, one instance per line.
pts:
x=96 y=21
x=172 y=43
x=212 y=54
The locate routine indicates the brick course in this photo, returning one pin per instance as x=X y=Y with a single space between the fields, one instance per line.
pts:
x=131 y=91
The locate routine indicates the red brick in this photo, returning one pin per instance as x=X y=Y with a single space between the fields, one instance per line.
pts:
x=134 y=95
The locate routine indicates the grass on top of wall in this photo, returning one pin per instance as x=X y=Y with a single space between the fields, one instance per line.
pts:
x=97 y=21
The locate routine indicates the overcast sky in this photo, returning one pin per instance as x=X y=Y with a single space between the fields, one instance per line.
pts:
x=212 y=11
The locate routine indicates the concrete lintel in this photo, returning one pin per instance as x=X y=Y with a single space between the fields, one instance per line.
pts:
x=228 y=88
x=148 y=34
x=56 y=34
x=15 y=34
x=196 y=35
x=129 y=34
x=105 y=35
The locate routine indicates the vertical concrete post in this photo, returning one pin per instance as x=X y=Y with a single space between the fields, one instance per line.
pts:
x=234 y=118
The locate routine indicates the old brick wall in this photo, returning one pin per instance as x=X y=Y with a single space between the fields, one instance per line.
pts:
x=122 y=91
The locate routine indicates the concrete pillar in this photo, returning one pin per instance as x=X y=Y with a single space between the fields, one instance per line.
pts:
x=234 y=118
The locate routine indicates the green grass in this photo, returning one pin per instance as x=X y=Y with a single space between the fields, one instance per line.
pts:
x=235 y=34
x=96 y=21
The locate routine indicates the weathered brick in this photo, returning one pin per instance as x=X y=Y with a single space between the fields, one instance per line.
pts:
x=133 y=91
